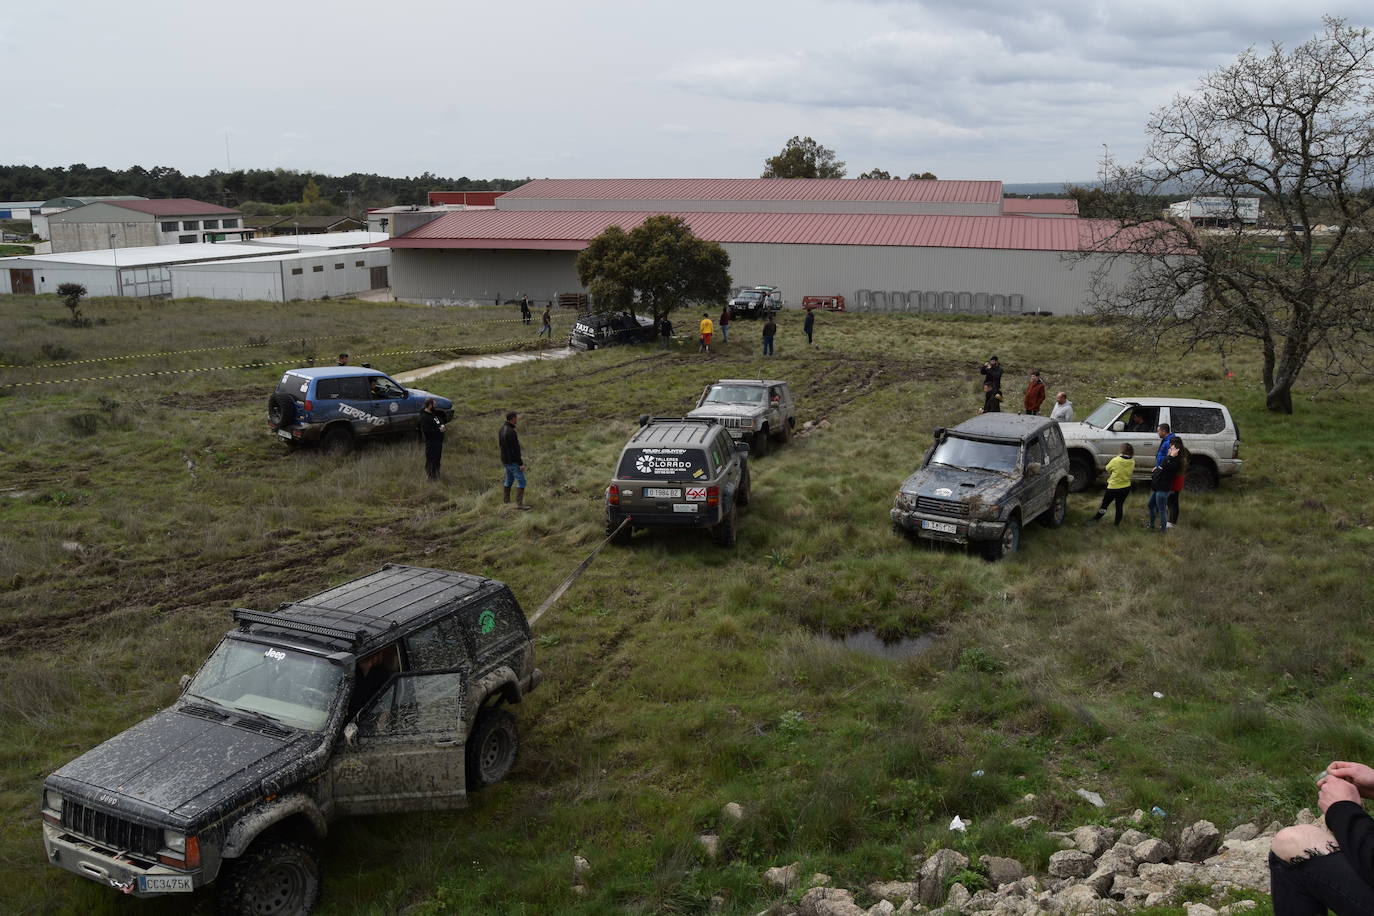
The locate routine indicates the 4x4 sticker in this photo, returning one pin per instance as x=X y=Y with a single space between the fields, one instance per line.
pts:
x=349 y=410
x=487 y=622
x=696 y=494
x=658 y=461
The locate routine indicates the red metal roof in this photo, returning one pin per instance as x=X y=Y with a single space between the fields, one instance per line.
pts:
x=830 y=189
x=467 y=198
x=1049 y=205
x=169 y=206
x=570 y=230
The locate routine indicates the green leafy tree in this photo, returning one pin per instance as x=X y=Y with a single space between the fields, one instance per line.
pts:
x=310 y=194
x=877 y=173
x=72 y=294
x=1295 y=129
x=803 y=158
x=924 y=176
x=654 y=268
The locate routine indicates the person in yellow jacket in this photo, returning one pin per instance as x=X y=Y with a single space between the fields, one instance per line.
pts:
x=706 y=330
x=1119 y=471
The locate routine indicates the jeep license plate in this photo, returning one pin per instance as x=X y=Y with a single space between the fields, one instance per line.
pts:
x=659 y=493
x=941 y=527
x=284 y=434
x=165 y=884
x=684 y=507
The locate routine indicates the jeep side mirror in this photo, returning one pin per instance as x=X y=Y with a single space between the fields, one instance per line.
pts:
x=742 y=447
x=644 y=419
x=939 y=431
x=351 y=734
x=1033 y=469
x=1118 y=427
x=185 y=682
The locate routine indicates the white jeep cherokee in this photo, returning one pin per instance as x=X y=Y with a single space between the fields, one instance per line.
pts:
x=1206 y=428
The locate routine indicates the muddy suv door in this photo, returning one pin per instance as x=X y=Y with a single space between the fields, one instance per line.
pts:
x=404 y=751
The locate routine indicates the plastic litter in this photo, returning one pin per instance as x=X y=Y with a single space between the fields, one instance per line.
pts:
x=979 y=773
x=1091 y=798
x=958 y=824
x=1158 y=695
x=1158 y=811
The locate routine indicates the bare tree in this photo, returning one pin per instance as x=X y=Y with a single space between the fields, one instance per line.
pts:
x=1296 y=130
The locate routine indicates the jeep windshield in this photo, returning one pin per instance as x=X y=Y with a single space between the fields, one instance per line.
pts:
x=1102 y=417
x=750 y=295
x=279 y=684
x=663 y=464
x=978 y=455
x=735 y=394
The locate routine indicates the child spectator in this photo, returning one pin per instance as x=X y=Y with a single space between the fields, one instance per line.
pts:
x=1119 y=472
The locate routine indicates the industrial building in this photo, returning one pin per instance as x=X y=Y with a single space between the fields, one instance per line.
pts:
x=284 y=277
x=902 y=245
x=138 y=223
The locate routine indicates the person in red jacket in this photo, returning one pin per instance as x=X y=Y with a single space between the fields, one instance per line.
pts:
x=1035 y=393
x=1328 y=865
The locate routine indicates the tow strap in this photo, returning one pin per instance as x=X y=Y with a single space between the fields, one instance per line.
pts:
x=572 y=576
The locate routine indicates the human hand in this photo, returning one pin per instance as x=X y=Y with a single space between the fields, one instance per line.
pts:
x=1333 y=789
x=1357 y=773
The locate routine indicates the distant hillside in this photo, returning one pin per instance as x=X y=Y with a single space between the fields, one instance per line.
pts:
x=1042 y=187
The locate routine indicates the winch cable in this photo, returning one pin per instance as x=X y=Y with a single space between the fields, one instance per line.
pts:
x=572 y=576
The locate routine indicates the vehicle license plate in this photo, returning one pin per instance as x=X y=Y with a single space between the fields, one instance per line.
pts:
x=165 y=884
x=942 y=527
x=684 y=507
x=659 y=493
x=284 y=434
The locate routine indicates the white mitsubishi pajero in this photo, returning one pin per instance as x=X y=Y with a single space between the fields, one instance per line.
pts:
x=1206 y=428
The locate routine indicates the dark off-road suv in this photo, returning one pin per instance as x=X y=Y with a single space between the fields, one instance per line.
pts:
x=983 y=480
x=380 y=695
x=338 y=405
x=755 y=410
x=605 y=329
x=679 y=472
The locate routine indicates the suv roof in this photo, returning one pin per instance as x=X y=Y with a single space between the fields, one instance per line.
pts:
x=763 y=382
x=678 y=431
x=333 y=371
x=1003 y=425
x=1165 y=402
x=358 y=615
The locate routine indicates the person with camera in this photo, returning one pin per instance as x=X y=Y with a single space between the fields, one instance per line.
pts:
x=1328 y=865
x=992 y=373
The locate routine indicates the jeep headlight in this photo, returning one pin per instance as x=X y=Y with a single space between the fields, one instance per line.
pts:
x=904 y=501
x=174 y=840
x=987 y=511
x=52 y=806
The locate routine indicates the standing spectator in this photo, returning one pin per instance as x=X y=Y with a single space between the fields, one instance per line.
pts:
x=432 y=429
x=809 y=326
x=665 y=333
x=546 y=330
x=992 y=399
x=1035 y=393
x=1119 y=471
x=1177 y=486
x=1166 y=439
x=343 y=359
x=1160 y=481
x=725 y=324
x=705 y=330
x=992 y=373
x=770 y=330
x=513 y=461
x=1063 y=409
x=524 y=308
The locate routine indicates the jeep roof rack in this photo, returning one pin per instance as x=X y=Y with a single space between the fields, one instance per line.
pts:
x=281 y=621
x=645 y=420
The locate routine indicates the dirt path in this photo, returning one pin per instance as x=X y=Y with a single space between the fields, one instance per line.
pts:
x=483 y=361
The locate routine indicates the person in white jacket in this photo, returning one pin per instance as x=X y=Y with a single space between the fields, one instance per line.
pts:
x=1063 y=409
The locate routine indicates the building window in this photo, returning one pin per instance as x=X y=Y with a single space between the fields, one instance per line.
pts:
x=190 y=224
x=186 y=239
x=339 y=266
x=231 y=224
x=318 y=268
x=357 y=263
x=212 y=224
x=297 y=271
x=170 y=227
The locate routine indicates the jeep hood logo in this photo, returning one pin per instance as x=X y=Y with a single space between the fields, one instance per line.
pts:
x=275 y=654
x=944 y=491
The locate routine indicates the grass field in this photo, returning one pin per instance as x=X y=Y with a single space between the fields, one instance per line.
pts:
x=137 y=510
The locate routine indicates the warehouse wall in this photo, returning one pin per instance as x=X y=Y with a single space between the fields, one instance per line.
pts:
x=274 y=280
x=99 y=281
x=90 y=236
x=448 y=276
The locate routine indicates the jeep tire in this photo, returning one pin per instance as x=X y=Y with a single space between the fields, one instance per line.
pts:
x=275 y=876
x=281 y=410
x=724 y=531
x=1053 y=517
x=1201 y=475
x=1081 y=467
x=742 y=494
x=337 y=441
x=1007 y=544
x=759 y=447
x=491 y=748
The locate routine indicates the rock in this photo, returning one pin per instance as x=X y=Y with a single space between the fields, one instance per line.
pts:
x=828 y=901
x=1273 y=828
x=1065 y=841
x=579 y=890
x=1091 y=798
x=1025 y=823
x=958 y=897
x=1027 y=798
x=882 y=908
x=1002 y=870
x=716 y=905
x=824 y=424
x=73 y=546
x=1119 y=860
x=1243 y=832
x=809 y=424
x=580 y=866
x=1198 y=841
x=1068 y=863
x=1077 y=896
x=1240 y=906
x=1137 y=816
x=1305 y=816
x=783 y=877
x=1158 y=898
x=819 y=879
x=1093 y=840
x=733 y=811
x=895 y=891
x=1028 y=886
x=710 y=844
x=1198 y=909
x=938 y=869
x=1132 y=838
x=906 y=909
x=1152 y=851
x=1101 y=881
x=1128 y=889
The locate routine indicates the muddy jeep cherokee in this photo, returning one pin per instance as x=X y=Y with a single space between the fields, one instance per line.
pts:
x=983 y=480
x=338 y=405
x=380 y=695
x=679 y=472
x=752 y=409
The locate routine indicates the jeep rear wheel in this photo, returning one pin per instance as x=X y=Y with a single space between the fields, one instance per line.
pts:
x=724 y=531
x=338 y=440
x=1081 y=467
x=759 y=447
x=492 y=748
x=1008 y=544
x=1053 y=517
x=1201 y=475
x=274 y=877
x=281 y=410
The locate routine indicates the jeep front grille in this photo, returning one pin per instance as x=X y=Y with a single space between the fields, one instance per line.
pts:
x=950 y=507
x=110 y=830
x=736 y=423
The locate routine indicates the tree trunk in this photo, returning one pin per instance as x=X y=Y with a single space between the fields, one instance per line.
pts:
x=1279 y=400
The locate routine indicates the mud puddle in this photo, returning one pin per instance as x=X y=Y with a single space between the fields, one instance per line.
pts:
x=483 y=361
x=870 y=643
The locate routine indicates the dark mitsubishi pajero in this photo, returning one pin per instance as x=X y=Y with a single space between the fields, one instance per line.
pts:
x=380 y=695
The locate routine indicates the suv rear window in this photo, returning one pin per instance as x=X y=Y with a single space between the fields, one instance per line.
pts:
x=293 y=385
x=660 y=463
x=1198 y=420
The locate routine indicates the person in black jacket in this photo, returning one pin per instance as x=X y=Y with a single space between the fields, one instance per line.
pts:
x=1161 y=482
x=992 y=373
x=432 y=429
x=514 y=462
x=992 y=399
x=1330 y=865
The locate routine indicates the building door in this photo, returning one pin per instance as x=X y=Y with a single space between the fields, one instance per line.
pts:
x=378 y=278
x=21 y=281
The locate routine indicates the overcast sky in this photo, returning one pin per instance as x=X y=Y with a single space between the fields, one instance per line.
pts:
x=971 y=89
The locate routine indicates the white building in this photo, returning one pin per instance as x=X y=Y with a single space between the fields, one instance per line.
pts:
x=284 y=277
x=137 y=223
x=143 y=271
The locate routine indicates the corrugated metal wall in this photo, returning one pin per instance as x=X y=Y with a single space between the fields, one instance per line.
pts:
x=274 y=281
x=446 y=276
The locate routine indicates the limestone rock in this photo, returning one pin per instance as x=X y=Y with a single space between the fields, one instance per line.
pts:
x=1118 y=860
x=1273 y=827
x=958 y=897
x=579 y=890
x=1025 y=823
x=938 y=869
x=1070 y=863
x=1243 y=832
x=1077 y=897
x=882 y=908
x=783 y=877
x=819 y=879
x=710 y=844
x=1305 y=816
x=895 y=891
x=1002 y=870
x=828 y=901
x=580 y=866
x=1240 y=906
x=1100 y=881
x=716 y=905
x=1198 y=841
x=1093 y=840
x=1153 y=851
x=1132 y=837
x=733 y=811
x=1091 y=798
x=1198 y=909
x=1027 y=798
x=906 y=909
